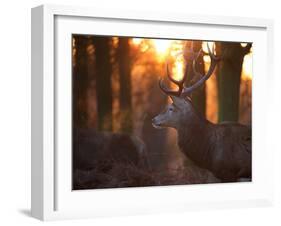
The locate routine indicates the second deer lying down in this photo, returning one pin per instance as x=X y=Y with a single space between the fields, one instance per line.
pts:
x=224 y=149
x=106 y=159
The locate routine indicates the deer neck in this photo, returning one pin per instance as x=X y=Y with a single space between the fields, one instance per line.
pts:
x=193 y=139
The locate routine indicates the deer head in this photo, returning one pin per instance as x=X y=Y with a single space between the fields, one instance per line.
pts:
x=181 y=109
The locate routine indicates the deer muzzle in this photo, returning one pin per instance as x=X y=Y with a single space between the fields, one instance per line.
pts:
x=156 y=123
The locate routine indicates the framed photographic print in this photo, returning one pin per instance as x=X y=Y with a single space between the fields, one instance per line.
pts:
x=134 y=112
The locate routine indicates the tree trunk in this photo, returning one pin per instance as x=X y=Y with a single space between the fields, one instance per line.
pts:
x=229 y=76
x=80 y=81
x=124 y=63
x=103 y=82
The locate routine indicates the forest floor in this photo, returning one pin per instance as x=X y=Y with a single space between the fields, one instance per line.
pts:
x=116 y=175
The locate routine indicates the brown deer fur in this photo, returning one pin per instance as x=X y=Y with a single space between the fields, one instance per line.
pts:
x=224 y=149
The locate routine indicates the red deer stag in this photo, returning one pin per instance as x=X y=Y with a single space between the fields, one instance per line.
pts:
x=224 y=149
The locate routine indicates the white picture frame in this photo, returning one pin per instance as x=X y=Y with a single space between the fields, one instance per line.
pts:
x=52 y=197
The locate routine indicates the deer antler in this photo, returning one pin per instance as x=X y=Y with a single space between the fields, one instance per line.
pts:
x=179 y=83
x=186 y=91
x=203 y=78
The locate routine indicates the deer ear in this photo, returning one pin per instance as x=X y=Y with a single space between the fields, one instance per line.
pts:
x=179 y=102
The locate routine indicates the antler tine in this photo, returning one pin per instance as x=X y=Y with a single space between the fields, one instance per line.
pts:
x=197 y=74
x=214 y=60
x=185 y=91
x=167 y=91
x=211 y=53
x=179 y=83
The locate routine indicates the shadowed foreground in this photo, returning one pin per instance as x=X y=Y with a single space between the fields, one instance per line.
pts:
x=114 y=160
x=121 y=175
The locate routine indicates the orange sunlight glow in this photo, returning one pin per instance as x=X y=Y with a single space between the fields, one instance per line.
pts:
x=165 y=47
x=206 y=58
x=178 y=68
x=247 y=70
x=137 y=41
x=162 y=46
x=171 y=47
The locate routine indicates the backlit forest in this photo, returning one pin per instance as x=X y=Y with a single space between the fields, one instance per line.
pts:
x=115 y=89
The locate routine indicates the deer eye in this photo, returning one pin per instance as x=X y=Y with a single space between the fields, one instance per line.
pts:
x=171 y=109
